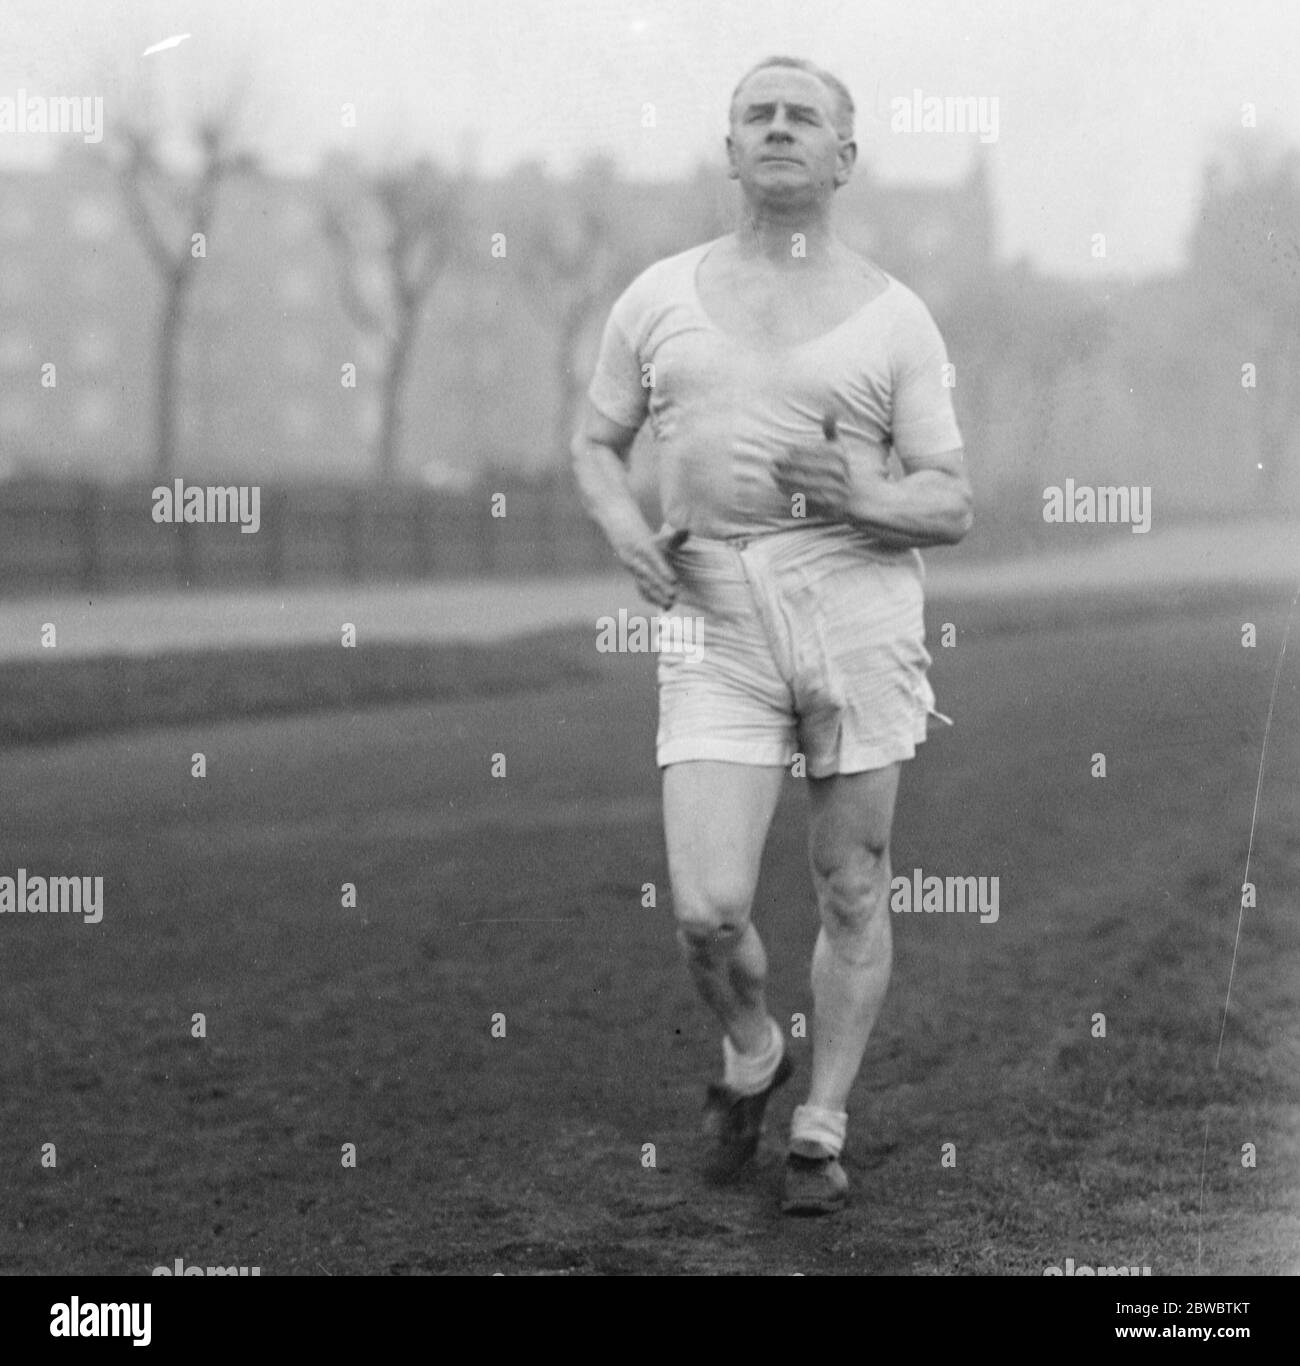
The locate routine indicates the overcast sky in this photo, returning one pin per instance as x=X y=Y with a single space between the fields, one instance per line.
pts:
x=1105 y=111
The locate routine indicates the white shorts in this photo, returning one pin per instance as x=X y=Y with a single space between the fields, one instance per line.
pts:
x=806 y=641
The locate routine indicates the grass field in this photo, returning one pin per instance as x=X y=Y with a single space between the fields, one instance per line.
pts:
x=522 y=895
x=90 y=695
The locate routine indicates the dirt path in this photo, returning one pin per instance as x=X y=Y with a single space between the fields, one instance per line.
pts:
x=1184 y=558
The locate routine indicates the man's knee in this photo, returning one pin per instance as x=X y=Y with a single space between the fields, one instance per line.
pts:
x=852 y=888
x=711 y=919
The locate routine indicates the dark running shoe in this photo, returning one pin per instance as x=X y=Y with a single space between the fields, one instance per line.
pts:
x=813 y=1185
x=735 y=1123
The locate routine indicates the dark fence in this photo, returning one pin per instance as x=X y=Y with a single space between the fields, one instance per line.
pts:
x=99 y=536
x=88 y=536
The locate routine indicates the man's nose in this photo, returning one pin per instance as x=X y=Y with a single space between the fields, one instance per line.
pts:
x=780 y=125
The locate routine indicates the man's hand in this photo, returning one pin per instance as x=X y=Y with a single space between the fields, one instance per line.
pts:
x=646 y=557
x=820 y=473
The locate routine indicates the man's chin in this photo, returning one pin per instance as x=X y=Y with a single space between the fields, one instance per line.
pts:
x=786 y=191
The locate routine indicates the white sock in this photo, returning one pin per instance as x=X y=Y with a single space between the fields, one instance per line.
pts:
x=750 y=1073
x=815 y=1132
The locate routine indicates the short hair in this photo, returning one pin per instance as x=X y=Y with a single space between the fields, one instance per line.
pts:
x=839 y=91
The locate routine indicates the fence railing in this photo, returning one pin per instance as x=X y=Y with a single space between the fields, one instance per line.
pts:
x=91 y=536
x=61 y=536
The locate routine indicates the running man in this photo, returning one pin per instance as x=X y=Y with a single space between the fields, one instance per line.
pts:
x=778 y=369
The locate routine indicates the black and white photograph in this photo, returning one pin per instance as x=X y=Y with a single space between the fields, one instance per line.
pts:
x=649 y=639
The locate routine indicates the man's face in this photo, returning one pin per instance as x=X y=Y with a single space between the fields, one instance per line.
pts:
x=783 y=146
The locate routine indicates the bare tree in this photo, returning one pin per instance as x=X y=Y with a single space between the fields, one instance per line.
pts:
x=574 y=252
x=392 y=232
x=172 y=211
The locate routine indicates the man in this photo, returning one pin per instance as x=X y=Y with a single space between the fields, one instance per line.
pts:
x=778 y=368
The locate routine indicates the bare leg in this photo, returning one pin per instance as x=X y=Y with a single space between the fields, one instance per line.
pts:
x=849 y=852
x=716 y=818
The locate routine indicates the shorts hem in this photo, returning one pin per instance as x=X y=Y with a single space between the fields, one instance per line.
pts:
x=863 y=758
x=859 y=759
x=724 y=751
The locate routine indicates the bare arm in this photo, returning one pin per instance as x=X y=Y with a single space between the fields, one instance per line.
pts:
x=599 y=449
x=932 y=504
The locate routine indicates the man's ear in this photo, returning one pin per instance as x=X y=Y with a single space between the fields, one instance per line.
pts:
x=847 y=159
x=848 y=155
x=733 y=171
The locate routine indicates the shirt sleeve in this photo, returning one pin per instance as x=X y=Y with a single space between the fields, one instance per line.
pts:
x=616 y=389
x=924 y=422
